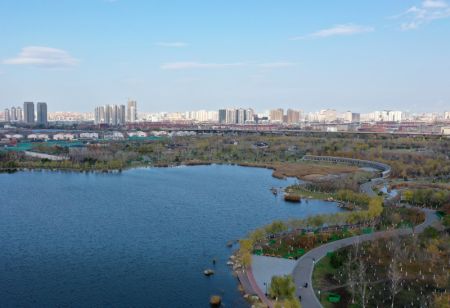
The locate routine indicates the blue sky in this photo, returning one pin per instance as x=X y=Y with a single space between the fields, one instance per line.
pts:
x=187 y=55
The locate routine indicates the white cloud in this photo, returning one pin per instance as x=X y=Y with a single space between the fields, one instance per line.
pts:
x=277 y=64
x=426 y=12
x=43 y=57
x=197 y=65
x=338 y=30
x=434 y=4
x=171 y=44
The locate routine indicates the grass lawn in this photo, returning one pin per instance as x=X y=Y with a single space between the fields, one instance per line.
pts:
x=322 y=270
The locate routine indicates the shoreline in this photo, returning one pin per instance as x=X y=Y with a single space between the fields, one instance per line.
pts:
x=145 y=166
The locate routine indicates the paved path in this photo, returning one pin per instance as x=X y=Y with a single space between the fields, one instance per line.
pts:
x=367 y=188
x=257 y=289
x=303 y=271
x=245 y=283
x=264 y=268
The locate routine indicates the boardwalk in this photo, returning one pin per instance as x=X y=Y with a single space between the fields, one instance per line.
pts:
x=383 y=168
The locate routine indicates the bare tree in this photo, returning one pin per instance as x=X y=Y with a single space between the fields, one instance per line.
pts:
x=350 y=269
x=394 y=274
x=362 y=281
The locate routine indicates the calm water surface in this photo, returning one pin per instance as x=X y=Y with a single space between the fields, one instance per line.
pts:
x=140 y=238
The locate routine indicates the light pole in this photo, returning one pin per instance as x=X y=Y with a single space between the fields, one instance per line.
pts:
x=265 y=284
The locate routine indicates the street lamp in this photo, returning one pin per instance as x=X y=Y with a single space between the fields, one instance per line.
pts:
x=265 y=284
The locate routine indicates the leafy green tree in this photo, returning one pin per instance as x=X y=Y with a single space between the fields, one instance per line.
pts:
x=282 y=287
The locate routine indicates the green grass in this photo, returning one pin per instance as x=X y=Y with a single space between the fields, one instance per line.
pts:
x=321 y=269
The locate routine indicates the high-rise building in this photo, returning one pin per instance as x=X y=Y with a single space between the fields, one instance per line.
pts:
x=122 y=115
x=19 y=115
x=42 y=113
x=7 y=115
x=352 y=117
x=114 y=115
x=250 y=115
x=28 y=112
x=241 y=116
x=99 y=115
x=132 y=111
x=276 y=115
x=13 y=114
x=293 y=116
x=327 y=115
x=222 y=116
x=213 y=116
x=108 y=114
x=447 y=115
x=231 y=116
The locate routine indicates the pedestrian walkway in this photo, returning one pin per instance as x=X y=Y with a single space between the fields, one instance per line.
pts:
x=264 y=268
x=305 y=265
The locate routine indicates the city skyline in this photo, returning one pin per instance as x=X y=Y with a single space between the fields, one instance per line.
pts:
x=350 y=56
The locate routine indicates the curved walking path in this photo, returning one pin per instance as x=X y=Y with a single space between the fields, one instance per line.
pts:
x=303 y=269
x=305 y=265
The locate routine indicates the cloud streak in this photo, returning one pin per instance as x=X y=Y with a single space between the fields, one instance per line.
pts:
x=337 y=30
x=42 y=57
x=426 y=12
x=172 y=44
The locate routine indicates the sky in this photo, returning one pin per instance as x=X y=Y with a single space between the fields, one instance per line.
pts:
x=207 y=54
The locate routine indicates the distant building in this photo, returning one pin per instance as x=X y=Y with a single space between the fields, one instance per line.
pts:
x=38 y=137
x=139 y=134
x=293 y=116
x=14 y=136
x=19 y=114
x=6 y=115
x=445 y=131
x=99 y=115
x=28 y=112
x=352 y=117
x=447 y=115
x=327 y=115
x=114 y=136
x=222 y=116
x=122 y=115
x=42 y=113
x=132 y=111
x=250 y=116
x=92 y=136
x=114 y=115
x=110 y=114
x=276 y=115
x=395 y=116
x=241 y=116
x=231 y=116
x=13 y=114
x=62 y=136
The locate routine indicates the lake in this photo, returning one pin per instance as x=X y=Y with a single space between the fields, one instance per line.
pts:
x=137 y=238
